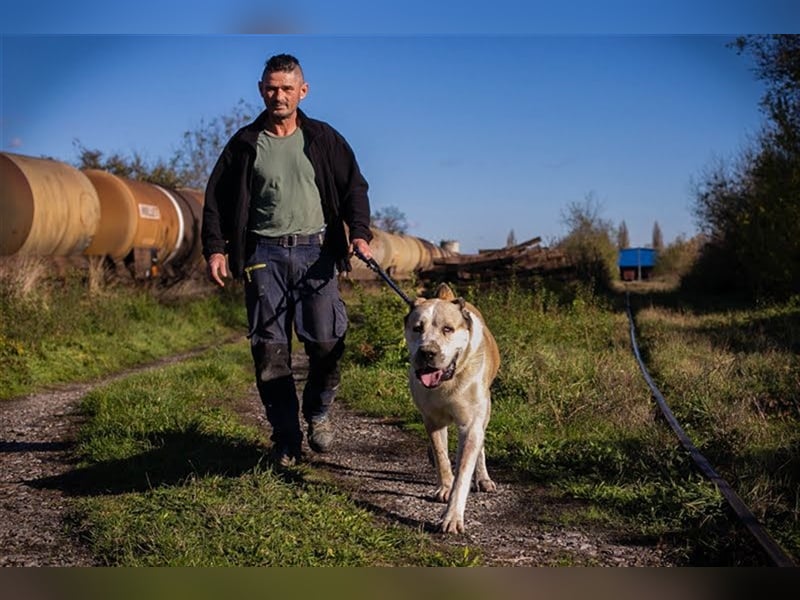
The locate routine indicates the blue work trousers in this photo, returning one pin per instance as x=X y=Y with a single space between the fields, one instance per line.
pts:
x=285 y=288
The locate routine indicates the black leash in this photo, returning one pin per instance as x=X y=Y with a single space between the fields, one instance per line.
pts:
x=374 y=266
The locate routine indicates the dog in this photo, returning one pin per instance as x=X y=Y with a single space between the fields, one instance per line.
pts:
x=453 y=360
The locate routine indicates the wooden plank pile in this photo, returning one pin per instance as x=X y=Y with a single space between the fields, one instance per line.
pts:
x=523 y=261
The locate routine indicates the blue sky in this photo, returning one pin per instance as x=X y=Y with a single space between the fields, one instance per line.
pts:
x=469 y=126
x=407 y=17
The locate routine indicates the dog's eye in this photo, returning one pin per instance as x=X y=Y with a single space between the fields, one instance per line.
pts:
x=447 y=329
x=417 y=328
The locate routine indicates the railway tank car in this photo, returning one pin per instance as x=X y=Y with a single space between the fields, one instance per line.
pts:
x=50 y=208
x=400 y=255
x=146 y=225
x=53 y=209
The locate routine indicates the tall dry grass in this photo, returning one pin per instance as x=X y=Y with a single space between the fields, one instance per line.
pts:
x=23 y=276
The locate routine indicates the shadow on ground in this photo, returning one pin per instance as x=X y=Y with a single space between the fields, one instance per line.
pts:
x=179 y=456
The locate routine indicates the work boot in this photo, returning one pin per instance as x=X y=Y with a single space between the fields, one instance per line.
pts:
x=320 y=434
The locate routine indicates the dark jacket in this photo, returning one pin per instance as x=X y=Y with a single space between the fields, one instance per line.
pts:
x=341 y=186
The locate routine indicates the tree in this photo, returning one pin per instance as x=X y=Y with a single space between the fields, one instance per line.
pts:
x=623 y=239
x=511 y=240
x=201 y=146
x=658 y=238
x=750 y=209
x=589 y=241
x=160 y=172
x=390 y=219
x=777 y=60
x=678 y=257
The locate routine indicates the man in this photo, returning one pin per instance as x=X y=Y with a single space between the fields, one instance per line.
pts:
x=280 y=201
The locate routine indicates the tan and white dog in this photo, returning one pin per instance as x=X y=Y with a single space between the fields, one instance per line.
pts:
x=454 y=359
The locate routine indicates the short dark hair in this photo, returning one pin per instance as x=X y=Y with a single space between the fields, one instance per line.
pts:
x=281 y=62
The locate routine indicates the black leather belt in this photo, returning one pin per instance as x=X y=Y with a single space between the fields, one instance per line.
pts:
x=290 y=241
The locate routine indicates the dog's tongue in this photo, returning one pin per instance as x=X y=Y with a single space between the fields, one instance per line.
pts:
x=431 y=378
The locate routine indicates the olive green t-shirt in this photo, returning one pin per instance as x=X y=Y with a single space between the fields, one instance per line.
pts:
x=285 y=200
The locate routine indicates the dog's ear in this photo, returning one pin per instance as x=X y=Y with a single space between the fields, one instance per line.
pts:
x=462 y=304
x=443 y=292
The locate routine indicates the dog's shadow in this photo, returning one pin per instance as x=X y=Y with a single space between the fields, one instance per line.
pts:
x=362 y=473
x=406 y=486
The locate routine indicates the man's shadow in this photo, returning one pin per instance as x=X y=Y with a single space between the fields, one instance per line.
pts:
x=178 y=456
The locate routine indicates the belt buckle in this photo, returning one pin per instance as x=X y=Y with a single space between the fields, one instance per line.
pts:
x=291 y=240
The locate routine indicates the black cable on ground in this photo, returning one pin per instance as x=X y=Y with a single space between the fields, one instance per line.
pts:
x=775 y=553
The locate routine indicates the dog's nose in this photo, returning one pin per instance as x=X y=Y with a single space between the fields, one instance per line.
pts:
x=428 y=353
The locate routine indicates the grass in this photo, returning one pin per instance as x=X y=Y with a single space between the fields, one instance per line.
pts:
x=571 y=412
x=169 y=475
x=733 y=374
x=54 y=330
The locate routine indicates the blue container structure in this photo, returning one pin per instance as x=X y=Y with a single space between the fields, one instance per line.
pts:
x=636 y=264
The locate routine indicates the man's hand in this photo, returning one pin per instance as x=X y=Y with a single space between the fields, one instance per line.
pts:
x=218 y=268
x=362 y=246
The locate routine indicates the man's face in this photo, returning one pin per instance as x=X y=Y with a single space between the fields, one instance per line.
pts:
x=282 y=93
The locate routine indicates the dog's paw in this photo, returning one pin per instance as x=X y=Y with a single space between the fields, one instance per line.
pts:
x=442 y=493
x=485 y=485
x=452 y=523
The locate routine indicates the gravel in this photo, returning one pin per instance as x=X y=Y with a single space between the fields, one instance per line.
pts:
x=37 y=440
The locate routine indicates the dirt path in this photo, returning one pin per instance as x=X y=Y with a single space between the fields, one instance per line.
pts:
x=386 y=470
x=382 y=467
x=36 y=437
